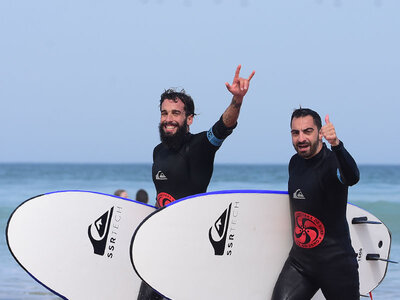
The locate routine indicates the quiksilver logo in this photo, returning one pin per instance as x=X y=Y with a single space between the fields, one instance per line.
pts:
x=161 y=176
x=98 y=232
x=217 y=233
x=298 y=195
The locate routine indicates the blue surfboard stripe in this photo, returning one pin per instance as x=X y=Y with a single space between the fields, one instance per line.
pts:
x=98 y=193
x=229 y=192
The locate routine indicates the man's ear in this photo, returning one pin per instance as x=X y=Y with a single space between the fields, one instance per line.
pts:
x=189 y=120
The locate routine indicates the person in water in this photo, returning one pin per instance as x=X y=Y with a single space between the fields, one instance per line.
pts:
x=142 y=196
x=183 y=162
x=321 y=256
x=121 y=193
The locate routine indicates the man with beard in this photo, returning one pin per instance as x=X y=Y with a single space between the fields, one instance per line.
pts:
x=183 y=162
x=321 y=255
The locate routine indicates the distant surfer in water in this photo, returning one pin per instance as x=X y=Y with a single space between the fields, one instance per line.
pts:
x=183 y=162
x=321 y=255
x=121 y=193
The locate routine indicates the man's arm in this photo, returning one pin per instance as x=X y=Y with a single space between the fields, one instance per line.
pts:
x=349 y=173
x=238 y=89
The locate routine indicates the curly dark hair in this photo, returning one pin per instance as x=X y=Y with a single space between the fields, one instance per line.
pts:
x=172 y=94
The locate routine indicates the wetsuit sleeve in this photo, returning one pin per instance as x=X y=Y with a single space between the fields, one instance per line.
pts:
x=349 y=173
x=219 y=132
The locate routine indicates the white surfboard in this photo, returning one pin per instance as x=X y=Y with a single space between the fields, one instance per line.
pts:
x=76 y=243
x=233 y=244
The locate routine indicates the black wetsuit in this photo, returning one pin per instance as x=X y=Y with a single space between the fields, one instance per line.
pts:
x=321 y=255
x=184 y=172
x=187 y=171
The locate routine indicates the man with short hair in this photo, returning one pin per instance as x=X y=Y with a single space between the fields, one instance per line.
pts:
x=321 y=255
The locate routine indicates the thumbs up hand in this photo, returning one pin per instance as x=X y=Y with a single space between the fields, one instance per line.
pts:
x=329 y=133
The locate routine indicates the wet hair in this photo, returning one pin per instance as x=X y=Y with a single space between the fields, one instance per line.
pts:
x=303 y=112
x=172 y=94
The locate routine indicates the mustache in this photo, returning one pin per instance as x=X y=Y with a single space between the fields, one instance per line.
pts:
x=173 y=123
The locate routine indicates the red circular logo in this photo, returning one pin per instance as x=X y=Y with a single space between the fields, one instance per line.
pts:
x=164 y=199
x=309 y=231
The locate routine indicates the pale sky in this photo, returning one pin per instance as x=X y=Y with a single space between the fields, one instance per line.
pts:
x=80 y=80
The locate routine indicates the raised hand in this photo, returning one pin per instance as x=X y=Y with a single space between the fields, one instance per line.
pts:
x=329 y=133
x=239 y=86
x=238 y=89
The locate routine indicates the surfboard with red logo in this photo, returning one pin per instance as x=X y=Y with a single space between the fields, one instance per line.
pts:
x=233 y=244
x=76 y=243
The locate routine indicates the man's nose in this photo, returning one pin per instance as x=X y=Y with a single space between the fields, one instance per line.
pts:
x=302 y=137
x=169 y=117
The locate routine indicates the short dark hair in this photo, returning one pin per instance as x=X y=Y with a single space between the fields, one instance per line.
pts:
x=142 y=196
x=172 y=94
x=303 y=112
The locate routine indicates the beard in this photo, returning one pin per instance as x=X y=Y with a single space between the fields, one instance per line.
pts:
x=311 y=152
x=175 y=140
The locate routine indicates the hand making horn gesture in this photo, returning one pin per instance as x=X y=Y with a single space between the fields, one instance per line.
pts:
x=240 y=85
x=329 y=133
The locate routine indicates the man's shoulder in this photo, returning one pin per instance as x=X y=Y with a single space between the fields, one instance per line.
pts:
x=328 y=154
x=294 y=158
x=196 y=137
x=199 y=144
x=158 y=148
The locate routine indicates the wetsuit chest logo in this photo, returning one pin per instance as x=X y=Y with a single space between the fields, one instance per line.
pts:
x=161 y=176
x=298 y=195
x=164 y=199
x=309 y=231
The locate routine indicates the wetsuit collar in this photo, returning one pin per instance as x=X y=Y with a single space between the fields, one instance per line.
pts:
x=317 y=156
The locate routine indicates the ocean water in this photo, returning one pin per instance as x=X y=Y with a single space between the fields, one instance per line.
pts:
x=378 y=192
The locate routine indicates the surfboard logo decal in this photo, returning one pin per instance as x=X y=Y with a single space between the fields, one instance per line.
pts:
x=309 y=231
x=218 y=232
x=98 y=232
